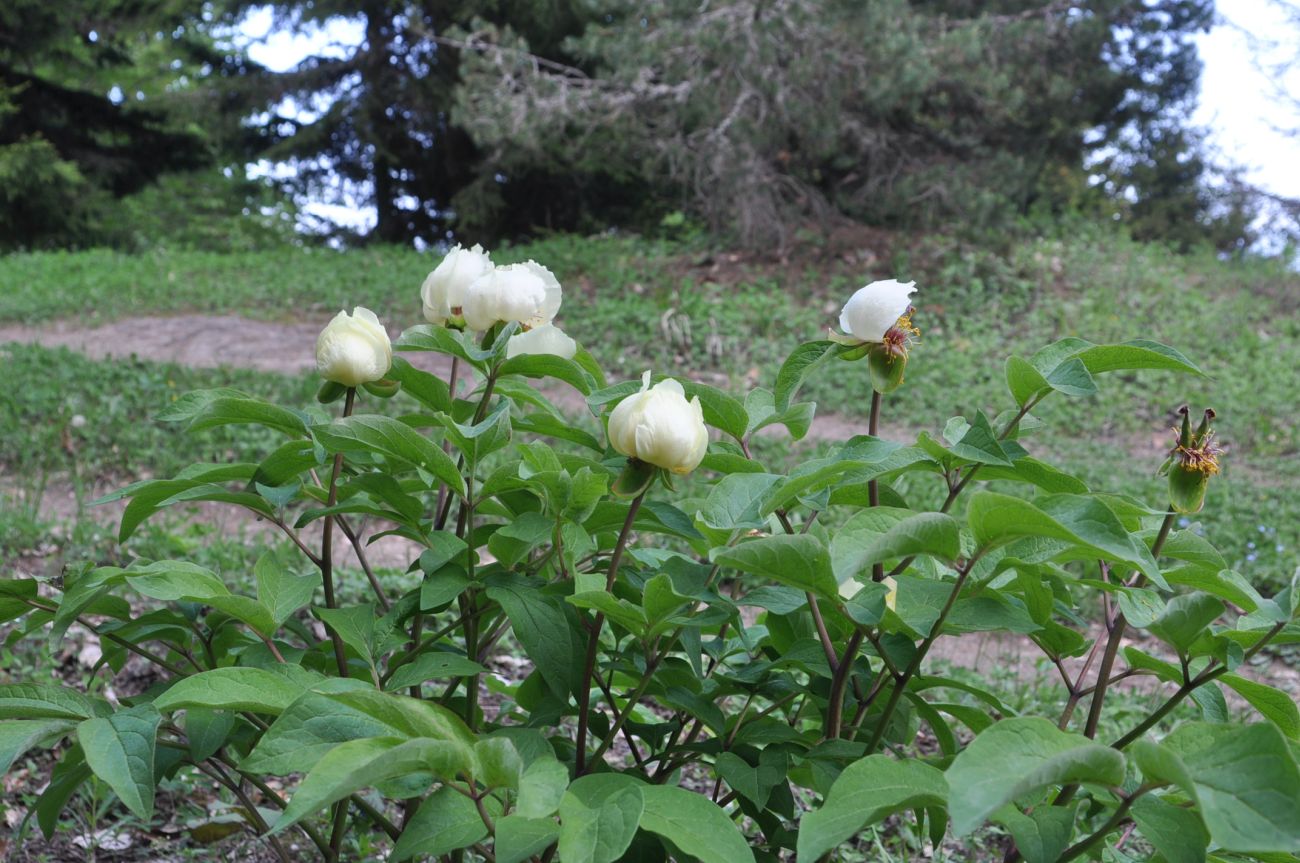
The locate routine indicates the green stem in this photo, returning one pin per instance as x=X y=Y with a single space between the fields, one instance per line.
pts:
x=1112 y=645
x=593 y=641
x=1083 y=846
x=327 y=545
x=900 y=686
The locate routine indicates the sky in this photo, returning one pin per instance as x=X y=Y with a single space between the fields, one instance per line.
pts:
x=1238 y=103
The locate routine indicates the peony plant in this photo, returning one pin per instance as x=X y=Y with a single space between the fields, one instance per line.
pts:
x=718 y=660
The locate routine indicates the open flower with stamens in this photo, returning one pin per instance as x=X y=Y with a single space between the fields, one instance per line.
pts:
x=1191 y=463
x=877 y=321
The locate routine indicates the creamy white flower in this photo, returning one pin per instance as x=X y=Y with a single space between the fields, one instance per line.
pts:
x=873 y=309
x=443 y=291
x=528 y=293
x=354 y=349
x=546 y=339
x=659 y=426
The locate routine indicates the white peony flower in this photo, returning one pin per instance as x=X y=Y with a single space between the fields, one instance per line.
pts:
x=528 y=293
x=443 y=291
x=546 y=339
x=659 y=426
x=874 y=309
x=354 y=349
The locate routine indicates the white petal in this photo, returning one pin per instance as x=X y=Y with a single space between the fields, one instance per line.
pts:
x=546 y=339
x=873 y=309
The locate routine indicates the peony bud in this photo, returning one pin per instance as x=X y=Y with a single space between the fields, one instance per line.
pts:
x=353 y=349
x=660 y=427
x=1191 y=463
x=443 y=291
x=546 y=339
x=528 y=293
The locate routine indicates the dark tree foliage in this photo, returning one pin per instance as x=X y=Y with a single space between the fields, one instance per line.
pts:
x=380 y=119
x=92 y=107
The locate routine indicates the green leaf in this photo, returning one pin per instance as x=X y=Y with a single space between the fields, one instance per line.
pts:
x=1023 y=380
x=316 y=722
x=1244 y=779
x=1133 y=355
x=253 y=689
x=428 y=389
x=1273 y=704
x=1042 y=834
x=229 y=410
x=867 y=792
x=1176 y=833
x=720 y=410
x=37 y=701
x=519 y=838
x=550 y=366
x=430 y=337
x=540 y=625
x=693 y=823
x=357 y=764
x=926 y=533
x=120 y=750
x=1016 y=757
x=801 y=363
x=598 y=818
x=446 y=820
x=1185 y=618
x=178 y=580
x=19 y=735
x=393 y=440
x=66 y=777
x=1080 y=519
x=753 y=783
x=280 y=591
x=433 y=667
x=800 y=561
x=354 y=624
x=978 y=442
x=541 y=787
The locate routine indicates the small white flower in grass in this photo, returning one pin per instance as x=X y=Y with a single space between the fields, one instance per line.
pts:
x=354 y=349
x=546 y=339
x=877 y=308
x=443 y=291
x=660 y=427
x=528 y=293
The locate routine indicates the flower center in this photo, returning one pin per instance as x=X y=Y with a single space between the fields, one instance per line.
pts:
x=1201 y=456
x=899 y=338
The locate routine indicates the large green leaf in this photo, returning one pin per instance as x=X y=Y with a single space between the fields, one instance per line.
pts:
x=1185 y=618
x=229 y=410
x=926 y=533
x=38 y=701
x=598 y=818
x=393 y=440
x=357 y=764
x=1041 y=834
x=120 y=751
x=866 y=792
x=800 y=561
x=316 y=722
x=1016 y=757
x=693 y=823
x=518 y=838
x=253 y=689
x=19 y=735
x=540 y=625
x=1273 y=704
x=1176 y=833
x=1244 y=778
x=802 y=362
x=1080 y=519
x=446 y=820
x=279 y=590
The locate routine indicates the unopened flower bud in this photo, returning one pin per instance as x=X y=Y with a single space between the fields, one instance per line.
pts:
x=353 y=349
x=660 y=427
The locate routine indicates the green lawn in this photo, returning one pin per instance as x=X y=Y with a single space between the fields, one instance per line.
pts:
x=682 y=309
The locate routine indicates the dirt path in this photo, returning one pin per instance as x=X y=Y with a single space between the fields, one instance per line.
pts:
x=213 y=341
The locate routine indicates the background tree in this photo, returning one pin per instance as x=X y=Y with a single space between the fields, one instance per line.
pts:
x=96 y=101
